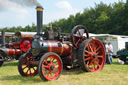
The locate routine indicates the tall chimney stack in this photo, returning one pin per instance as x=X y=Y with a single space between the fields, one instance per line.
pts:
x=3 y=38
x=39 y=19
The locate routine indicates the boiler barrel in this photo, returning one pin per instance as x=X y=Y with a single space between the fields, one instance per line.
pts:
x=62 y=49
x=11 y=52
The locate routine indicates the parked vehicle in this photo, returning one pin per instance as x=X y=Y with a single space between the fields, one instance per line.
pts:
x=48 y=57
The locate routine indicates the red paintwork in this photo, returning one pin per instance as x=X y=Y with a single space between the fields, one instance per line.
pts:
x=34 y=62
x=25 y=44
x=14 y=52
x=27 y=36
x=65 y=50
x=14 y=45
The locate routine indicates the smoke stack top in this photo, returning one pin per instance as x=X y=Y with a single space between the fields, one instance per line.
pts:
x=39 y=10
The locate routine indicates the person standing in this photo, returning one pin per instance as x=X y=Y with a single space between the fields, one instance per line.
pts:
x=107 y=52
x=110 y=51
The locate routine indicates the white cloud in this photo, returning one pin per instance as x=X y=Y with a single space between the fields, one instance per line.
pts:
x=64 y=5
x=53 y=16
x=13 y=14
x=65 y=12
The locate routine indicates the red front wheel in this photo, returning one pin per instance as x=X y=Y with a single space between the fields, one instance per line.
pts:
x=91 y=55
x=50 y=66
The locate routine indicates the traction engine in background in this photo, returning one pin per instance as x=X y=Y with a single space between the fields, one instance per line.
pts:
x=48 y=57
x=13 y=50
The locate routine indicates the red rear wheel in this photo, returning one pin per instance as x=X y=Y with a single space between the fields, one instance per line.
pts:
x=24 y=66
x=50 y=66
x=91 y=55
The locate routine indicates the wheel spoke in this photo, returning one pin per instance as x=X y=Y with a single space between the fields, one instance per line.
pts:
x=86 y=55
x=45 y=61
x=79 y=32
x=93 y=66
x=27 y=71
x=45 y=66
x=98 y=52
x=98 y=65
x=33 y=69
x=51 y=59
x=86 y=59
x=97 y=49
x=78 y=42
x=48 y=73
x=56 y=63
x=90 y=63
x=90 y=66
x=43 y=71
x=99 y=56
x=93 y=46
x=24 y=67
x=90 y=47
x=51 y=74
x=30 y=72
x=54 y=71
x=87 y=52
x=87 y=63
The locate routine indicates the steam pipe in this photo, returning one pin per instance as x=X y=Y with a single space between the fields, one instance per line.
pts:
x=3 y=38
x=39 y=19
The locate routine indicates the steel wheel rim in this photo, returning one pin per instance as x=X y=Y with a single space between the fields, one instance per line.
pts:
x=28 y=69
x=94 y=56
x=51 y=67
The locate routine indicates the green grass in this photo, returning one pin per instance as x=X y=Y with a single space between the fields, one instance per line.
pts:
x=114 y=74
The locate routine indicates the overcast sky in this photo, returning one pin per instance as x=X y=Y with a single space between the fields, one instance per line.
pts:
x=22 y=12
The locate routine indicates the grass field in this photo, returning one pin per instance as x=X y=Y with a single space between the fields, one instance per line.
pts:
x=114 y=74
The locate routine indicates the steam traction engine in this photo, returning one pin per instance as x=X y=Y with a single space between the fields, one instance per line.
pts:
x=13 y=50
x=48 y=57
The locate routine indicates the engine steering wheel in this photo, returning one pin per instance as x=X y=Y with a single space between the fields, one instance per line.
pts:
x=78 y=35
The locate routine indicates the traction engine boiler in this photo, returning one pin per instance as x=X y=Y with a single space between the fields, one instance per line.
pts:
x=48 y=57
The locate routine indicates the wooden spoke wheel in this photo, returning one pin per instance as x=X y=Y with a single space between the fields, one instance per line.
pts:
x=91 y=55
x=78 y=35
x=24 y=66
x=25 y=44
x=50 y=66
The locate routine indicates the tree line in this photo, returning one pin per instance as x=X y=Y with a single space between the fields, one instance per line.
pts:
x=103 y=18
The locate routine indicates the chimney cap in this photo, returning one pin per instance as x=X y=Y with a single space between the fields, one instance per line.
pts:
x=39 y=8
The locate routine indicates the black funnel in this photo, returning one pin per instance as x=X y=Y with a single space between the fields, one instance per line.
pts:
x=39 y=19
x=3 y=38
